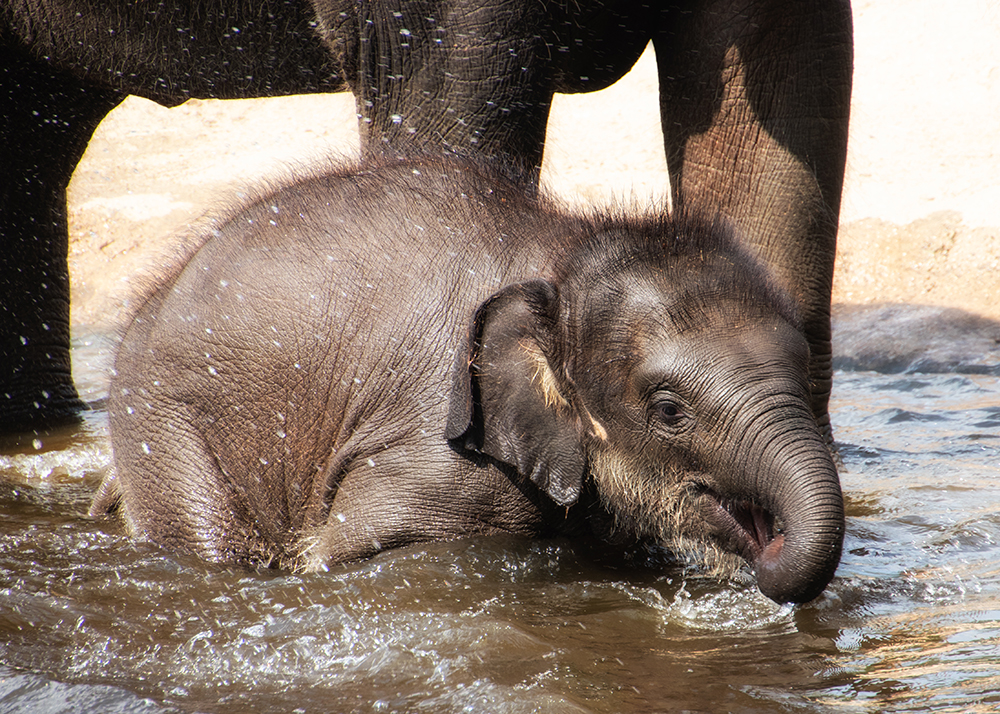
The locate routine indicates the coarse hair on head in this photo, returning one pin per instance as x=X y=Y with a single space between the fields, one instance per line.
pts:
x=674 y=247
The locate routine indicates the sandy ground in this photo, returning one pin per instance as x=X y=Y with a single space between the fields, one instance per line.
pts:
x=920 y=224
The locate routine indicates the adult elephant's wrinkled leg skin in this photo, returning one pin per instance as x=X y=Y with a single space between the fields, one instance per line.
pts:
x=755 y=100
x=47 y=120
x=475 y=78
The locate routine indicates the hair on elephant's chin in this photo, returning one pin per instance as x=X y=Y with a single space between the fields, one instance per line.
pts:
x=656 y=502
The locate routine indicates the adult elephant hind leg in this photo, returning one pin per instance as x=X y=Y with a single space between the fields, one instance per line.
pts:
x=46 y=121
x=755 y=100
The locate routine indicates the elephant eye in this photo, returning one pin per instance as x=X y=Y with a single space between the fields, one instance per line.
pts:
x=668 y=411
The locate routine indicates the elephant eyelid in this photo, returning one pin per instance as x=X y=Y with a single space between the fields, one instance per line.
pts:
x=668 y=408
x=661 y=391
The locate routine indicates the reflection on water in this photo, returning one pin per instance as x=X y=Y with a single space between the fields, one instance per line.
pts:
x=91 y=621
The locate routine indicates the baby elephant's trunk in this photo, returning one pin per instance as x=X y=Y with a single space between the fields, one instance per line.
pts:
x=803 y=493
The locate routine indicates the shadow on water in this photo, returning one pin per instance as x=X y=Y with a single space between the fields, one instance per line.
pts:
x=893 y=338
x=93 y=621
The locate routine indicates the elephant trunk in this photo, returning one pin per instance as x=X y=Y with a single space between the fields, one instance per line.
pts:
x=806 y=501
x=788 y=519
x=799 y=562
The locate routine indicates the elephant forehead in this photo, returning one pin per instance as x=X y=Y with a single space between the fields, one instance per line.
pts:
x=759 y=349
x=645 y=310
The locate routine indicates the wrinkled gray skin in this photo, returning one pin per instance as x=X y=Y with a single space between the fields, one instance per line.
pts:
x=419 y=351
x=754 y=97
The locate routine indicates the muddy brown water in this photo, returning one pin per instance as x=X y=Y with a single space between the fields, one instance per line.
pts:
x=92 y=621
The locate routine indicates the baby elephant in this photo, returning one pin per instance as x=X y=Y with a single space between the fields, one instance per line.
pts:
x=421 y=350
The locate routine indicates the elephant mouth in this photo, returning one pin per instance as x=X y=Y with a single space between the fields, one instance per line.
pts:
x=743 y=527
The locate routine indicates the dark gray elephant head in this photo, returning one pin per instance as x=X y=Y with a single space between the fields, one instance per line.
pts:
x=669 y=372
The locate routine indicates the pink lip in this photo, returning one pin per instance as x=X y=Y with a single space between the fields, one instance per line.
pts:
x=744 y=527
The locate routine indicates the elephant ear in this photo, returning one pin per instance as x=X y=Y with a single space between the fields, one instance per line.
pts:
x=505 y=401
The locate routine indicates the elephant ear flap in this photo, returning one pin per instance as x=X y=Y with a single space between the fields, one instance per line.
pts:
x=505 y=401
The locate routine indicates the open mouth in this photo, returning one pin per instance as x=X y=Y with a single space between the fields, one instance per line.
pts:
x=744 y=527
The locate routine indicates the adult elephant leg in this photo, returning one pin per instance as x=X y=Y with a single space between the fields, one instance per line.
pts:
x=469 y=78
x=47 y=120
x=755 y=99
x=477 y=78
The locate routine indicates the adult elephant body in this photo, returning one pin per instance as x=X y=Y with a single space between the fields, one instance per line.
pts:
x=63 y=67
x=422 y=350
x=754 y=97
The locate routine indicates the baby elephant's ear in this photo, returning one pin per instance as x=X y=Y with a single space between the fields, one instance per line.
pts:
x=506 y=402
